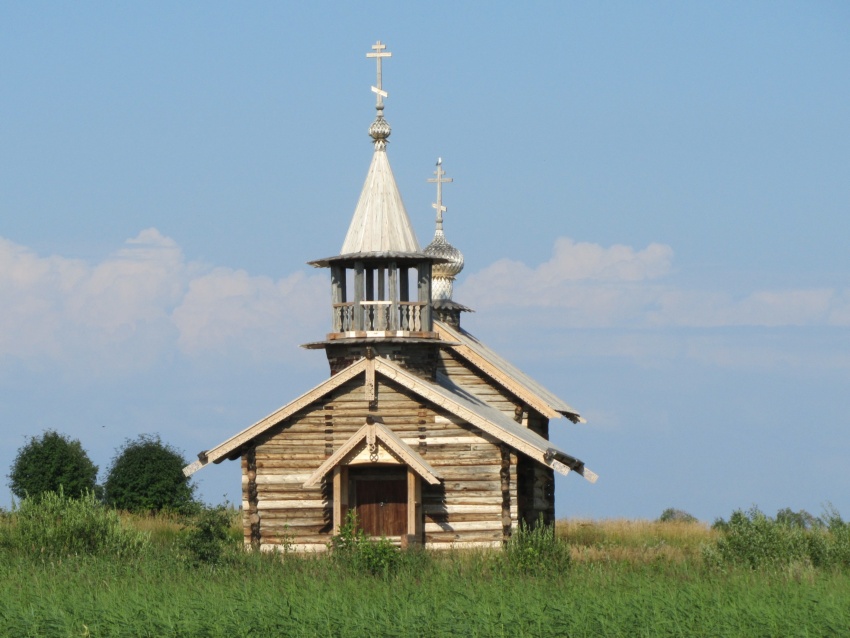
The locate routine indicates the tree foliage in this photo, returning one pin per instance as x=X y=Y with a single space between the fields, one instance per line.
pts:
x=49 y=463
x=146 y=475
x=673 y=515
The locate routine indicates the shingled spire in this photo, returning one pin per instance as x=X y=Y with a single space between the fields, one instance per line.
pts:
x=381 y=280
x=380 y=222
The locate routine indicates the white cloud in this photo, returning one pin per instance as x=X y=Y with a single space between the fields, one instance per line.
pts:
x=141 y=302
x=226 y=309
x=588 y=285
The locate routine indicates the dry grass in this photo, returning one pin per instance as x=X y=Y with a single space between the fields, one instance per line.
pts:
x=633 y=540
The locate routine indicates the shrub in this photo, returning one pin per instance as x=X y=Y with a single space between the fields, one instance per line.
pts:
x=673 y=515
x=146 y=475
x=838 y=530
x=535 y=548
x=207 y=537
x=755 y=540
x=360 y=553
x=54 y=524
x=799 y=520
x=50 y=463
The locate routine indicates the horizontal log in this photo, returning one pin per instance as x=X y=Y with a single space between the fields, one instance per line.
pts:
x=463 y=526
x=265 y=504
x=451 y=519
x=290 y=464
x=495 y=509
x=282 y=479
x=295 y=547
x=462 y=545
x=318 y=453
x=298 y=526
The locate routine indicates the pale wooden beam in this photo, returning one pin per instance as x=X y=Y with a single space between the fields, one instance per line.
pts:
x=358 y=295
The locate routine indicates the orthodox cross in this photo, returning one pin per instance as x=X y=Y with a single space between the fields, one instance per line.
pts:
x=378 y=54
x=440 y=180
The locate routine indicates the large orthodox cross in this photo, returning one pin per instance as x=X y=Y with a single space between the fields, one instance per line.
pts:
x=440 y=180
x=378 y=54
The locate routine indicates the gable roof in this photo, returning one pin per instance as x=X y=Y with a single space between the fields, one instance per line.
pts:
x=506 y=374
x=444 y=394
x=376 y=432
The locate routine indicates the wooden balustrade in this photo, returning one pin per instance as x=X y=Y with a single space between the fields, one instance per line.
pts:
x=410 y=315
x=378 y=316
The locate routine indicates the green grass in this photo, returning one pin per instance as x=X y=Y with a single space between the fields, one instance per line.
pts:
x=624 y=578
x=453 y=595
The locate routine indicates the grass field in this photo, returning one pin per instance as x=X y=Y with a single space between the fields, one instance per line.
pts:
x=619 y=578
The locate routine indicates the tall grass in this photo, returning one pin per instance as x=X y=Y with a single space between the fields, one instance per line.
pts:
x=635 y=541
x=634 y=587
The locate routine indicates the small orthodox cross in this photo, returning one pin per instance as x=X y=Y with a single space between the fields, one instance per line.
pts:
x=378 y=54
x=440 y=180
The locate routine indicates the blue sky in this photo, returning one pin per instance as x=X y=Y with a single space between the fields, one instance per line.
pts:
x=652 y=199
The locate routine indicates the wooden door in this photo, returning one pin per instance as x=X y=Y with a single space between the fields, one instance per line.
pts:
x=380 y=500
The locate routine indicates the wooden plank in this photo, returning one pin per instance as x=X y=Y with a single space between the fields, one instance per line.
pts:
x=461 y=545
x=405 y=379
x=493 y=525
x=494 y=509
x=268 y=504
x=223 y=449
x=497 y=375
x=295 y=547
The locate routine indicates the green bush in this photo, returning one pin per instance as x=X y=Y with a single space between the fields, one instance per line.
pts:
x=54 y=524
x=673 y=515
x=146 y=475
x=207 y=538
x=360 y=553
x=537 y=549
x=838 y=531
x=800 y=520
x=49 y=463
x=755 y=540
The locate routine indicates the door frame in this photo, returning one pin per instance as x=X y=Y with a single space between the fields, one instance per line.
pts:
x=415 y=521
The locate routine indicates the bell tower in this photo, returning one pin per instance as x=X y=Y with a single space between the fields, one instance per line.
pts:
x=381 y=282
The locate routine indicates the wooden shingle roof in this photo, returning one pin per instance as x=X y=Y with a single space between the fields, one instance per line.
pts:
x=380 y=222
x=444 y=394
x=505 y=374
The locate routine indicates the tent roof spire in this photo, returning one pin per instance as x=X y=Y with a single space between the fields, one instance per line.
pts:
x=380 y=222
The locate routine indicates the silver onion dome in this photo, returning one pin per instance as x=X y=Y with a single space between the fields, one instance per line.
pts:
x=380 y=129
x=440 y=247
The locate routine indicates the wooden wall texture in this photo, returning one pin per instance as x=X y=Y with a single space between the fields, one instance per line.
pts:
x=475 y=505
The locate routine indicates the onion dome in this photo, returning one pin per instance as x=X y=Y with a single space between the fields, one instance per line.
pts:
x=440 y=247
x=443 y=273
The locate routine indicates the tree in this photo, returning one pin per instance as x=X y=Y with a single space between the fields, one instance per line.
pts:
x=49 y=463
x=146 y=475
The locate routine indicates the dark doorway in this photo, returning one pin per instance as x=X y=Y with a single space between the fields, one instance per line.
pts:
x=379 y=496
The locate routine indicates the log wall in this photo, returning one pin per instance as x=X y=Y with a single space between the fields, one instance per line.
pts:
x=474 y=505
x=472 y=379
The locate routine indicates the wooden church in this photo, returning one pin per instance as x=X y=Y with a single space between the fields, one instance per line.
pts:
x=421 y=430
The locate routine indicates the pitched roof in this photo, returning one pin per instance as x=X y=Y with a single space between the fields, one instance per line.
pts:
x=377 y=432
x=380 y=222
x=444 y=393
x=506 y=374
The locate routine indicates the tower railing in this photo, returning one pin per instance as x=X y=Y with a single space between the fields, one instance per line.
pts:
x=378 y=316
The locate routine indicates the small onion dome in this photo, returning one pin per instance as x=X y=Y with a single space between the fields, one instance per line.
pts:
x=442 y=248
x=380 y=129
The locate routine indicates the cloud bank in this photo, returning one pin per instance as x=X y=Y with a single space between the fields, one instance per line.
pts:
x=144 y=302
x=588 y=285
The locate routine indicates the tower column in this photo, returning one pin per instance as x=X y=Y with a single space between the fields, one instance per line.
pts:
x=393 y=296
x=424 y=286
x=358 y=295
